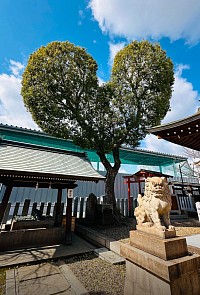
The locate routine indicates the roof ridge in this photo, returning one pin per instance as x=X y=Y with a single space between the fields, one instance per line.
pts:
x=46 y=148
x=153 y=152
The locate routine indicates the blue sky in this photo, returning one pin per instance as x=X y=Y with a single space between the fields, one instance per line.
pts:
x=102 y=27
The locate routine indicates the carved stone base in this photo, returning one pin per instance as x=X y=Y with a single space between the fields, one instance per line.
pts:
x=151 y=230
x=140 y=281
x=164 y=248
x=151 y=270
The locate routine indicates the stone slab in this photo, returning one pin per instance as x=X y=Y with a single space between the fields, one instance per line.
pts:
x=33 y=255
x=140 y=281
x=109 y=256
x=192 y=249
x=93 y=236
x=55 y=284
x=37 y=271
x=10 y=282
x=167 y=234
x=164 y=248
x=193 y=240
x=76 y=285
x=31 y=224
x=115 y=246
x=167 y=270
x=100 y=251
x=45 y=279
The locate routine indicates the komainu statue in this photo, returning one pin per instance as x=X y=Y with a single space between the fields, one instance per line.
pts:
x=155 y=203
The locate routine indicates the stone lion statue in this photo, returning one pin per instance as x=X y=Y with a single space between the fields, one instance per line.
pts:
x=155 y=203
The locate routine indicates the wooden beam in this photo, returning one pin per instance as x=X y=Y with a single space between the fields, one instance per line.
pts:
x=5 y=200
x=68 y=233
x=58 y=207
x=41 y=183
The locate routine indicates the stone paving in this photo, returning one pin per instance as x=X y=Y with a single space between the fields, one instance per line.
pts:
x=45 y=279
x=193 y=240
x=50 y=278
x=109 y=256
x=39 y=254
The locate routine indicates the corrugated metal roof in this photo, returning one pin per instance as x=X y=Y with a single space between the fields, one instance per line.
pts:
x=127 y=155
x=46 y=162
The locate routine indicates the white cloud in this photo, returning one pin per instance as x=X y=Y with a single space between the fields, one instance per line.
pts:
x=114 y=48
x=12 y=110
x=16 y=67
x=184 y=100
x=152 y=143
x=81 y=13
x=183 y=103
x=101 y=81
x=154 y=19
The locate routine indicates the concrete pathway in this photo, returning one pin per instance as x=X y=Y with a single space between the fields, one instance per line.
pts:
x=53 y=278
x=40 y=254
x=45 y=279
x=193 y=240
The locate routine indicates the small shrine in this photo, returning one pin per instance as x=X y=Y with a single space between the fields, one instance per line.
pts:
x=139 y=177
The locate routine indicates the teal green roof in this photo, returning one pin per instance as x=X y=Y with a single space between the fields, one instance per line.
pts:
x=127 y=155
x=23 y=158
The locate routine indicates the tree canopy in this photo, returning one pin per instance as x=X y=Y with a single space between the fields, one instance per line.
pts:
x=60 y=88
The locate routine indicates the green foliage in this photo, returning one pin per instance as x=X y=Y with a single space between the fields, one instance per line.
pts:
x=58 y=84
x=143 y=77
x=60 y=88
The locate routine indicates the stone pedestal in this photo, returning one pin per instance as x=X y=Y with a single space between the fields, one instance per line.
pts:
x=157 y=266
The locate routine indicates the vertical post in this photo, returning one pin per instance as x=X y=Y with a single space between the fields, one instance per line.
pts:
x=48 y=209
x=5 y=200
x=183 y=192
x=139 y=186
x=26 y=207
x=129 y=197
x=160 y=168
x=68 y=229
x=174 y=168
x=75 y=207
x=122 y=207
x=81 y=207
x=58 y=207
x=126 y=207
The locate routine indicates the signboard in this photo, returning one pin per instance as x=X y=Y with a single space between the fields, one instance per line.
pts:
x=198 y=209
x=70 y=193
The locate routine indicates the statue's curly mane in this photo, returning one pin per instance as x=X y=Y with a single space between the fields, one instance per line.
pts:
x=157 y=187
x=156 y=202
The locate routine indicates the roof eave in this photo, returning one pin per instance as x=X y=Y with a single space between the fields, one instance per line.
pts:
x=38 y=175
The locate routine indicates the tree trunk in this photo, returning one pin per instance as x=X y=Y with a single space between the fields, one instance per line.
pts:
x=111 y=172
x=109 y=187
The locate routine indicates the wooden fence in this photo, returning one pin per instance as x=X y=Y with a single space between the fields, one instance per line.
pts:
x=185 y=203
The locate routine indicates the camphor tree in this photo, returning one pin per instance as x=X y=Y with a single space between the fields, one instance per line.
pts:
x=60 y=88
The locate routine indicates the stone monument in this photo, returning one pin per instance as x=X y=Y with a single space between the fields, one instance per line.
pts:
x=158 y=262
x=91 y=209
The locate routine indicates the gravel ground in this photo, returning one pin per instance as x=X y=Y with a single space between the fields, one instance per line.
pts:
x=97 y=275
x=100 y=277
x=186 y=227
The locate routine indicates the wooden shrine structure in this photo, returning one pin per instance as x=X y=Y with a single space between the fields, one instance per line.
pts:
x=26 y=165
x=184 y=132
